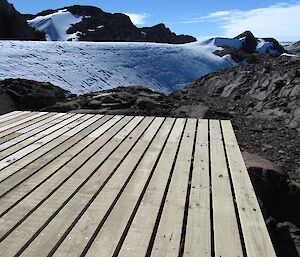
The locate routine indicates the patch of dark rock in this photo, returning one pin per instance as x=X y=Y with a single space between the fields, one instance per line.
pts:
x=20 y=94
x=285 y=237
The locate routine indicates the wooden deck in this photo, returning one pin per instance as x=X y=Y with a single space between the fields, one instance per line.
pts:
x=93 y=185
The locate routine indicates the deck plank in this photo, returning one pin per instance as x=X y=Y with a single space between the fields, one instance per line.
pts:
x=52 y=175
x=144 y=220
x=23 y=119
x=101 y=191
x=58 y=152
x=168 y=236
x=198 y=234
x=8 y=115
x=57 y=200
x=107 y=239
x=25 y=134
x=24 y=148
x=23 y=128
x=14 y=117
x=257 y=239
x=16 y=144
x=226 y=233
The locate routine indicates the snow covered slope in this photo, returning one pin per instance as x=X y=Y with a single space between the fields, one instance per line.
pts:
x=84 y=67
x=56 y=25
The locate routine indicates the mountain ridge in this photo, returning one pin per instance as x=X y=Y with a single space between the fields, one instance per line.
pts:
x=99 y=26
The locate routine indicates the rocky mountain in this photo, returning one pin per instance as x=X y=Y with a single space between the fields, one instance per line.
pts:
x=14 y=26
x=88 y=23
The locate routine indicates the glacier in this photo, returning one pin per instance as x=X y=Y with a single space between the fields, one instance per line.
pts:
x=83 y=67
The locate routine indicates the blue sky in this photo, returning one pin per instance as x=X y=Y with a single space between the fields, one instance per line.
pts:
x=202 y=19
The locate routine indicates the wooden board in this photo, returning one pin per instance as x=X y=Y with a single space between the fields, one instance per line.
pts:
x=94 y=185
x=254 y=230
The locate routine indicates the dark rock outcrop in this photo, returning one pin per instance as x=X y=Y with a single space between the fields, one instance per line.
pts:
x=122 y=100
x=249 y=46
x=161 y=34
x=13 y=25
x=20 y=94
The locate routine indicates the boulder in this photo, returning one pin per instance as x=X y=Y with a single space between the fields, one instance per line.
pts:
x=266 y=177
x=285 y=237
x=146 y=103
x=294 y=233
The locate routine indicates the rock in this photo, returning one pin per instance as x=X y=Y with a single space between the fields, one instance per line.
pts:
x=268 y=180
x=112 y=105
x=31 y=95
x=146 y=103
x=294 y=48
x=285 y=237
x=294 y=234
x=94 y=104
x=109 y=99
x=291 y=204
x=267 y=146
x=250 y=41
x=160 y=34
x=193 y=111
x=295 y=122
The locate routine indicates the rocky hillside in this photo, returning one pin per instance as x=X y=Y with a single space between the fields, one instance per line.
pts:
x=268 y=89
x=88 y=23
x=14 y=26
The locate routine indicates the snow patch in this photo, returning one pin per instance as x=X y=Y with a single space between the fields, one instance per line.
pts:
x=290 y=55
x=231 y=42
x=83 y=67
x=266 y=47
x=56 y=25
